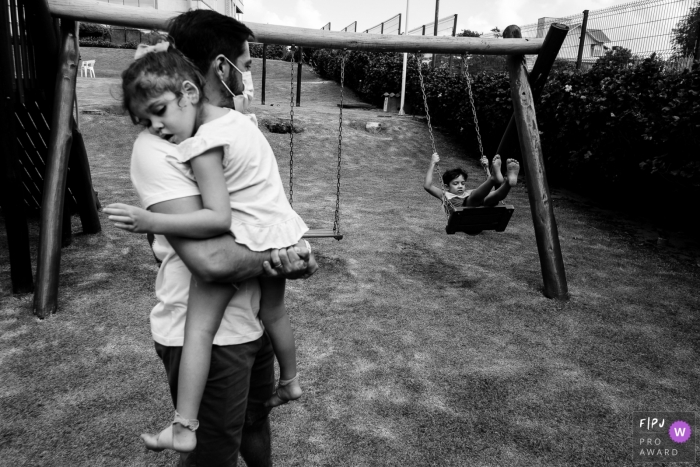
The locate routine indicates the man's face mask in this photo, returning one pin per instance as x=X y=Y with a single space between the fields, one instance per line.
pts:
x=243 y=102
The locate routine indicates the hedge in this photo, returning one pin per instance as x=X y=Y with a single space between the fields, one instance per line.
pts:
x=106 y=44
x=611 y=127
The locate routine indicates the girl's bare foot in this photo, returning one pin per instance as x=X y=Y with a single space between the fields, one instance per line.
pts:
x=288 y=390
x=178 y=436
x=496 y=170
x=512 y=169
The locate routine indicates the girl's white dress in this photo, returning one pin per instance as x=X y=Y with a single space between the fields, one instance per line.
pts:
x=261 y=216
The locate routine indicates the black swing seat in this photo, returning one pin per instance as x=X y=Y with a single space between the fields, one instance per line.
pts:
x=323 y=233
x=474 y=220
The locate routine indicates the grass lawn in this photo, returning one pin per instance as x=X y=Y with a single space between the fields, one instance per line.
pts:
x=415 y=347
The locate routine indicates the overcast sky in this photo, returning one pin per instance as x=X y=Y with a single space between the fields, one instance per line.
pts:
x=480 y=16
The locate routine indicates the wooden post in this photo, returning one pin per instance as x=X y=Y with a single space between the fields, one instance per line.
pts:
x=301 y=54
x=582 y=40
x=46 y=295
x=80 y=181
x=538 y=78
x=551 y=261
x=13 y=208
x=696 y=50
x=264 y=74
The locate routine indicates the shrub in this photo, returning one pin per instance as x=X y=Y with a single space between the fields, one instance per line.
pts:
x=94 y=31
x=107 y=44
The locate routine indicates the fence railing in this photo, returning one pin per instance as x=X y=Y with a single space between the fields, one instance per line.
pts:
x=447 y=26
x=352 y=27
x=327 y=27
x=390 y=26
x=644 y=27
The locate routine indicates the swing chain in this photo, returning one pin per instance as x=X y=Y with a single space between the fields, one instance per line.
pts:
x=432 y=137
x=291 y=130
x=468 y=78
x=336 y=222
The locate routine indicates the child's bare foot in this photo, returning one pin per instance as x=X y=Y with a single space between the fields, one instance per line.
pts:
x=288 y=390
x=512 y=169
x=178 y=436
x=496 y=170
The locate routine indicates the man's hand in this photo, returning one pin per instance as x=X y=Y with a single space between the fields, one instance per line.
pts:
x=295 y=262
x=129 y=218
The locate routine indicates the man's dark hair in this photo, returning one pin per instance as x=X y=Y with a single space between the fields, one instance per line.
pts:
x=450 y=175
x=203 y=34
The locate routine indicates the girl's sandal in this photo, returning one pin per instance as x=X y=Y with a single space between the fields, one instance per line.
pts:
x=166 y=440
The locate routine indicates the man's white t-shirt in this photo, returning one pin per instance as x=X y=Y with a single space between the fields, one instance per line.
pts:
x=156 y=180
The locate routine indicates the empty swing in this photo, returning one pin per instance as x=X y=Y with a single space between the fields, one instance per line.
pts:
x=335 y=231
x=467 y=219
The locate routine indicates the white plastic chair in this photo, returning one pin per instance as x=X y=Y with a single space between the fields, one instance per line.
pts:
x=88 y=68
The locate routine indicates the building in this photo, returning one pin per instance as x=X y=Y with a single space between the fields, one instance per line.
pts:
x=593 y=42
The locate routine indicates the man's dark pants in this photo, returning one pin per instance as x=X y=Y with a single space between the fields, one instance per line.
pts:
x=241 y=378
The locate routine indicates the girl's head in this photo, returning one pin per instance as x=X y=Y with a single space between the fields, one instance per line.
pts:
x=163 y=91
x=455 y=180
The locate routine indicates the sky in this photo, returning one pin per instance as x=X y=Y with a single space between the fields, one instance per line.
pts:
x=480 y=16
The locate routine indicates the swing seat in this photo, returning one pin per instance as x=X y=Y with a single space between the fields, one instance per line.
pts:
x=474 y=220
x=323 y=233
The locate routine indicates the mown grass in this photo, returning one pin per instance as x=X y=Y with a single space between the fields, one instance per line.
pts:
x=415 y=347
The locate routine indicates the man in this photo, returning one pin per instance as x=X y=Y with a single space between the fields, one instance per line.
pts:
x=232 y=413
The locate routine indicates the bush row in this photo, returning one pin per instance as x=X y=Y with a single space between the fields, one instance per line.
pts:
x=106 y=44
x=609 y=127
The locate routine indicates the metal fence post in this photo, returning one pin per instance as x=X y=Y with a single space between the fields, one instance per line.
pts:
x=301 y=56
x=584 y=24
x=264 y=72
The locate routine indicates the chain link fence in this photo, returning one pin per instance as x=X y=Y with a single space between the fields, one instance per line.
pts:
x=668 y=28
x=390 y=26
x=352 y=27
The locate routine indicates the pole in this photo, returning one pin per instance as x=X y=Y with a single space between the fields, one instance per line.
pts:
x=405 y=63
x=435 y=29
x=301 y=54
x=437 y=10
x=52 y=205
x=546 y=233
x=696 y=51
x=584 y=24
x=264 y=74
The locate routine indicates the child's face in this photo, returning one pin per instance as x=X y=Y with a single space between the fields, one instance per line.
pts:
x=167 y=116
x=457 y=185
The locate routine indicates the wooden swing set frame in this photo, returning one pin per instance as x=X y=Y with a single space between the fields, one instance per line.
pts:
x=58 y=54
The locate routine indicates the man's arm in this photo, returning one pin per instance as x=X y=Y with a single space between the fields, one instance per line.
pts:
x=221 y=259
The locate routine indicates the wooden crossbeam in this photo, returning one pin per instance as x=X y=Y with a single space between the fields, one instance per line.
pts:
x=93 y=11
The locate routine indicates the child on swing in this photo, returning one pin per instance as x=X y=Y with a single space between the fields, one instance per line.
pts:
x=455 y=181
x=241 y=193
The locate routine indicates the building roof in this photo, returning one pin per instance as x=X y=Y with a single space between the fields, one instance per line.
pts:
x=596 y=34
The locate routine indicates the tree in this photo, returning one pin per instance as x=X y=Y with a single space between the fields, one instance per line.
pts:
x=468 y=33
x=617 y=57
x=685 y=34
x=496 y=32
